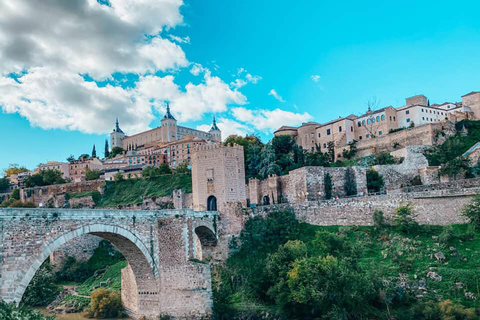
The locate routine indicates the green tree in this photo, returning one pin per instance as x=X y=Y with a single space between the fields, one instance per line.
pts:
x=374 y=181
x=383 y=158
x=328 y=185
x=351 y=151
x=283 y=144
x=472 y=211
x=182 y=168
x=4 y=184
x=83 y=156
x=331 y=152
x=15 y=194
x=404 y=219
x=116 y=151
x=118 y=177
x=456 y=167
x=71 y=158
x=105 y=304
x=42 y=288
x=106 y=152
x=13 y=312
x=92 y=174
x=45 y=178
x=94 y=152
x=350 y=182
x=14 y=168
x=268 y=165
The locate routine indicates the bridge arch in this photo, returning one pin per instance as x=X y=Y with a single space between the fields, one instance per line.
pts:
x=141 y=262
x=205 y=241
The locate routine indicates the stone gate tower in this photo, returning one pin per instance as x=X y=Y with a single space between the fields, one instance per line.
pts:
x=218 y=176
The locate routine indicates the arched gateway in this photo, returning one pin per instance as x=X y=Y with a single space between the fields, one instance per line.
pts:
x=160 y=279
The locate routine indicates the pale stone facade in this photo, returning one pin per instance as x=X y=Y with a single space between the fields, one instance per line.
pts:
x=55 y=165
x=218 y=175
x=78 y=168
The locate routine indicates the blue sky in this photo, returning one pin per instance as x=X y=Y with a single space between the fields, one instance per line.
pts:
x=323 y=59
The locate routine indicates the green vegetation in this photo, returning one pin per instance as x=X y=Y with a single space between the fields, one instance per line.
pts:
x=92 y=174
x=110 y=277
x=96 y=195
x=328 y=186
x=42 y=289
x=14 y=168
x=4 y=183
x=12 y=203
x=105 y=304
x=115 y=152
x=292 y=270
x=12 y=312
x=150 y=171
x=45 y=178
x=15 y=195
x=133 y=191
x=374 y=181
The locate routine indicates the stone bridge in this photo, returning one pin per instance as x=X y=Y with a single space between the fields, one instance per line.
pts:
x=160 y=247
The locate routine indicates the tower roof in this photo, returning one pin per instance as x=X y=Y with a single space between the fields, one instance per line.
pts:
x=168 y=115
x=214 y=125
x=117 y=127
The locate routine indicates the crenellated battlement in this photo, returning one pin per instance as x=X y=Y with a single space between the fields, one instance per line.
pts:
x=209 y=147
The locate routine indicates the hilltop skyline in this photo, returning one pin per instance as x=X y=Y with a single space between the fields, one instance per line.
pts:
x=268 y=65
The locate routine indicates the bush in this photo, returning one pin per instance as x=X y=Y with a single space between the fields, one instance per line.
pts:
x=383 y=158
x=446 y=236
x=92 y=174
x=73 y=271
x=378 y=218
x=45 y=178
x=42 y=288
x=472 y=211
x=12 y=312
x=350 y=182
x=328 y=186
x=105 y=304
x=405 y=218
x=15 y=194
x=374 y=181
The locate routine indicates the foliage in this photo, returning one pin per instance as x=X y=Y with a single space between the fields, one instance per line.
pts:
x=73 y=271
x=42 y=288
x=378 y=218
x=456 y=167
x=71 y=158
x=45 y=178
x=112 y=272
x=12 y=312
x=92 y=174
x=351 y=151
x=20 y=204
x=269 y=165
x=105 y=304
x=374 y=180
x=84 y=156
x=135 y=190
x=446 y=236
x=15 y=194
x=331 y=151
x=14 y=168
x=151 y=171
x=404 y=218
x=118 y=177
x=252 y=147
x=106 y=152
x=94 y=152
x=472 y=211
x=383 y=158
x=183 y=168
x=95 y=194
x=4 y=184
x=328 y=186
x=350 y=182
x=115 y=152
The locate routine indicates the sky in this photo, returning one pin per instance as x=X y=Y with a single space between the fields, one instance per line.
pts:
x=69 y=68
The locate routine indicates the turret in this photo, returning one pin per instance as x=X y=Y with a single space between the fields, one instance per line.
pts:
x=116 y=136
x=216 y=134
x=169 y=126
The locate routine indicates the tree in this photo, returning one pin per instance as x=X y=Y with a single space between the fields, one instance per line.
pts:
x=15 y=194
x=14 y=168
x=350 y=182
x=164 y=168
x=107 y=149
x=83 y=156
x=92 y=174
x=374 y=181
x=105 y=304
x=352 y=150
x=456 y=167
x=71 y=158
x=383 y=158
x=328 y=185
x=404 y=218
x=4 y=184
x=283 y=144
x=331 y=152
x=183 y=168
x=116 y=151
x=472 y=211
x=118 y=177
x=268 y=165
x=94 y=152
x=42 y=288
x=45 y=178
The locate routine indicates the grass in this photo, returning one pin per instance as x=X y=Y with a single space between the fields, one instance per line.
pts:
x=112 y=272
x=133 y=191
x=96 y=196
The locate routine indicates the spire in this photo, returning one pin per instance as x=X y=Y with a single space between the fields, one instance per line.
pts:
x=117 y=127
x=214 y=125
x=168 y=115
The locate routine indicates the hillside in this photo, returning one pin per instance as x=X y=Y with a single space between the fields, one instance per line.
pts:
x=133 y=191
x=292 y=270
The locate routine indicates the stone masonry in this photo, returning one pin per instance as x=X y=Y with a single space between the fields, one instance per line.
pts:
x=158 y=245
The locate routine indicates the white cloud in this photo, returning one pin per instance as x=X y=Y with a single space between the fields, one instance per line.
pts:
x=269 y=120
x=315 y=77
x=238 y=83
x=253 y=79
x=274 y=94
x=228 y=127
x=197 y=68
x=179 y=39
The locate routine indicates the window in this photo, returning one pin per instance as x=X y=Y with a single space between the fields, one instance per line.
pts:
x=408 y=112
x=408 y=119
x=422 y=110
x=367 y=136
x=360 y=137
x=363 y=122
x=379 y=133
x=423 y=118
x=383 y=117
x=394 y=118
x=351 y=129
x=328 y=132
x=390 y=118
x=359 y=124
x=324 y=145
x=340 y=129
x=313 y=149
x=319 y=134
x=378 y=118
x=373 y=120
x=368 y=121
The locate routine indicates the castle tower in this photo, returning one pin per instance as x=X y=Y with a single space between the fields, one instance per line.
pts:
x=472 y=100
x=116 y=136
x=169 y=126
x=216 y=134
x=218 y=177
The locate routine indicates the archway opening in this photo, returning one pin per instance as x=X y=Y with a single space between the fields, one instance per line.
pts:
x=139 y=287
x=212 y=203
x=205 y=243
x=266 y=200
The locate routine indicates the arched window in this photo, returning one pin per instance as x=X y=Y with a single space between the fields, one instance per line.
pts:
x=212 y=203
x=359 y=124
x=266 y=200
x=383 y=117
x=368 y=121
x=363 y=122
x=378 y=118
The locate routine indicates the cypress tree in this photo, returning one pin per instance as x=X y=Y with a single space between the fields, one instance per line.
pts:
x=350 y=183
x=328 y=186
x=107 y=151
x=94 y=152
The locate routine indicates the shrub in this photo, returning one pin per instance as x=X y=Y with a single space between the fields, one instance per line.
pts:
x=12 y=312
x=105 y=304
x=405 y=218
x=383 y=158
x=118 y=177
x=374 y=181
x=446 y=236
x=73 y=271
x=350 y=183
x=328 y=186
x=15 y=194
x=472 y=211
x=92 y=174
x=378 y=218
x=42 y=289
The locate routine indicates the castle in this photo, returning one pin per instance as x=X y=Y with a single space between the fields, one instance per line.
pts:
x=372 y=130
x=169 y=139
